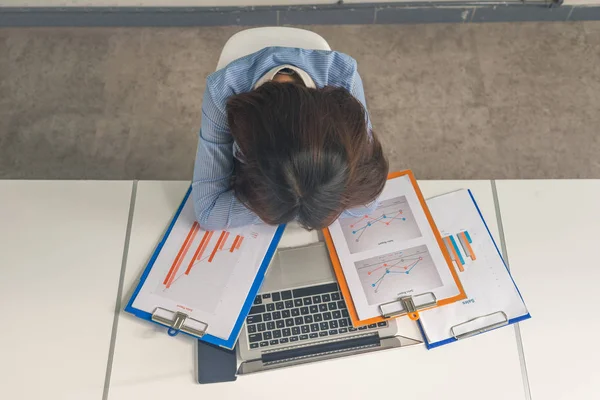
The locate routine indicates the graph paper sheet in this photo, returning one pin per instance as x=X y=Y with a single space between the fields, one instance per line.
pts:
x=493 y=298
x=205 y=274
x=393 y=252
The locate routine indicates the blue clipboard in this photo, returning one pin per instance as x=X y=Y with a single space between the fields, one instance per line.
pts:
x=432 y=345
x=227 y=343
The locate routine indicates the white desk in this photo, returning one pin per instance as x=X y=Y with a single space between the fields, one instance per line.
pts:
x=62 y=248
x=551 y=230
x=45 y=279
x=148 y=364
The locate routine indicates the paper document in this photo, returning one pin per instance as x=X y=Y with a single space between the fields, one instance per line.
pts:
x=205 y=274
x=493 y=299
x=394 y=251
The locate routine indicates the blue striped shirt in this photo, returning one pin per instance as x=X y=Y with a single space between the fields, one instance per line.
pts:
x=215 y=204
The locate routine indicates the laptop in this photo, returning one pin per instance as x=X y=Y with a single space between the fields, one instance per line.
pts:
x=299 y=316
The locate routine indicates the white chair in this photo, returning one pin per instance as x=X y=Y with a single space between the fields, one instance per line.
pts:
x=252 y=40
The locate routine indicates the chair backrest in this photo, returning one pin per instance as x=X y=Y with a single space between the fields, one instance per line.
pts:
x=252 y=40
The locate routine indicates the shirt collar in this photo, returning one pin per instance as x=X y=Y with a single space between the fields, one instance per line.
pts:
x=306 y=79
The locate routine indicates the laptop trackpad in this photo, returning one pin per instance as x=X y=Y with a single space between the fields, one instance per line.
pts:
x=300 y=266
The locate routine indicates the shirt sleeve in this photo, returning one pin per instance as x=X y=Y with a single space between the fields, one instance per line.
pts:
x=215 y=204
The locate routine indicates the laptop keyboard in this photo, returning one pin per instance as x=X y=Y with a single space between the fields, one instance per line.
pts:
x=292 y=316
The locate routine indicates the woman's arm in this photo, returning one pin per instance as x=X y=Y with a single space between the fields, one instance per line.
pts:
x=214 y=201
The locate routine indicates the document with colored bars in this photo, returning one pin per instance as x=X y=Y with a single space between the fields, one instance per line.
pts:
x=493 y=299
x=207 y=275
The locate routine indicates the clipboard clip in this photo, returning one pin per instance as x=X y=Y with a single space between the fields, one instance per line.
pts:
x=408 y=305
x=495 y=320
x=179 y=322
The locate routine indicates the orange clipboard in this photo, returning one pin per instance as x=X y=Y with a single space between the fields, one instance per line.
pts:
x=412 y=314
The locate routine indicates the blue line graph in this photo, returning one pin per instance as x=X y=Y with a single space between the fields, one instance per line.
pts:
x=392 y=220
x=384 y=277
x=388 y=270
x=369 y=221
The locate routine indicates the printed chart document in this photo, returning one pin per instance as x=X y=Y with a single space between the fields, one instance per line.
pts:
x=493 y=299
x=391 y=253
x=210 y=276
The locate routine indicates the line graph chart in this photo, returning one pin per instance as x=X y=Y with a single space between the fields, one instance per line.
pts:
x=207 y=257
x=392 y=220
x=385 y=278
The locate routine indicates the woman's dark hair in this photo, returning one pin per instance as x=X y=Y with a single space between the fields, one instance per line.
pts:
x=305 y=153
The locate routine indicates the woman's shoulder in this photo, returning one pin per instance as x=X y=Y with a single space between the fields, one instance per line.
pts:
x=326 y=67
x=278 y=53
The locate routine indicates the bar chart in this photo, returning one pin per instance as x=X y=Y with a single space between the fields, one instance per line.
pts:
x=459 y=258
x=200 y=256
x=203 y=258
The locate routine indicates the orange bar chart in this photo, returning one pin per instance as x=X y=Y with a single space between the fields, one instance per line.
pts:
x=218 y=246
x=181 y=254
x=235 y=244
x=205 y=245
x=453 y=253
x=465 y=241
x=199 y=251
x=224 y=240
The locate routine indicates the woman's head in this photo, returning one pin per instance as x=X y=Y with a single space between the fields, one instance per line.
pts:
x=306 y=153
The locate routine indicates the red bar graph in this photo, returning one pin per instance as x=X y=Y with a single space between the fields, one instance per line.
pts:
x=204 y=245
x=233 y=246
x=181 y=254
x=217 y=246
x=200 y=254
x=224 y=240
x=199 y=251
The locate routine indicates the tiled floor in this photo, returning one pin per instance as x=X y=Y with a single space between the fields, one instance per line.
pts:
x=448 y=101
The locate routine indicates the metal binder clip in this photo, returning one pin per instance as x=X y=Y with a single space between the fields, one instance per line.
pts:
x=478 y=330
x=179 y=322
x=409 y=306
